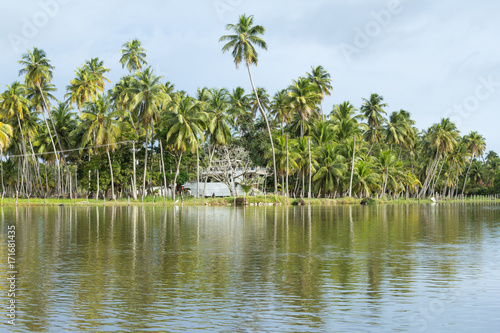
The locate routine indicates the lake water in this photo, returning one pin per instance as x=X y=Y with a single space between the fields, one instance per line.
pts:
x=427 y=268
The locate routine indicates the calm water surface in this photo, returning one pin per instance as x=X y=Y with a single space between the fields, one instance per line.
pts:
x=432 y=268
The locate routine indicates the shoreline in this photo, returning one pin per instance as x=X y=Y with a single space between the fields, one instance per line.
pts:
x=228 y=201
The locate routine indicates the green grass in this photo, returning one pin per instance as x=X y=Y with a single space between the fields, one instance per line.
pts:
x=252 y=200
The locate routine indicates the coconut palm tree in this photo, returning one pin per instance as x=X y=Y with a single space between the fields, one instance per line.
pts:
x=365 y=180
x=184 y=123
x=303 y=98
x=218 y=122
x=81 y=89
x=373 y=111
x=241 y=44
x=320 y=78
x=5 y=136
x=346 y=126
x=133 y=56
x=240 y=108
x=38 y=75
x=476 y=145
x=96 y=69
x=104 y=126
x=280 y=109
x=15 y=106
x=147 y=95
x=327 y=178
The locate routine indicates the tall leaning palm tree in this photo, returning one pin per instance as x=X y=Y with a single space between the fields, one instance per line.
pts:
x=38 y=75
x=241 y=44
x=133 y=56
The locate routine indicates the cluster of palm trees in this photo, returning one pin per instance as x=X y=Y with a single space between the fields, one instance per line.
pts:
x=96 y=140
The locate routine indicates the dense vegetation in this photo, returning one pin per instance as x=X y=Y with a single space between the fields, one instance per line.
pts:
x=86 y=144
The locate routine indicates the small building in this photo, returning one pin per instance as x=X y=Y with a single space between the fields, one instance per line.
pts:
x=216 y=189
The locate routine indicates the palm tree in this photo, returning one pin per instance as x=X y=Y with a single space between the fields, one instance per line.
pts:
x=280 y=108
x=365 y=180
x=184 y=124
x=320 y=78
x=240 y=106
x=327 y=178
x=104 y=126
x=372 y=109
x=81 y=89
x=15 y=106
x=96 y=69
x=65 y=123
x=242 y=42
x=218 y=122
x=441 y=138
x=133 y=56
x=303 y=99
x=38 y=75
x=285 y=160
x=147 y=95
x=347 y=126
x=5 y=135
x=476 y=146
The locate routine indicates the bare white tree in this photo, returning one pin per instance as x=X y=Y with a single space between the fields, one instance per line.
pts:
x=231 y=165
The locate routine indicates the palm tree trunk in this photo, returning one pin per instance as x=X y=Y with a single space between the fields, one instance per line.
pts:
x=197 y=173
x=145 y=163
x=310 y=167
x=210 y=156
x=57 y=135
x=111 y=171
x=175 y=177
x=134 y=179
x=163 y=169
x=352 y=166
x=438 y=175
x=268 y=128
x=1 y=166
x=286 y=196
x=467 y=174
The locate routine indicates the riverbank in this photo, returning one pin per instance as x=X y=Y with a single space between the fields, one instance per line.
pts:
x=228 y=201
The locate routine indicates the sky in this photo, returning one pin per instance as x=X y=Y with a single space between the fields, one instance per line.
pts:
x=434 y=59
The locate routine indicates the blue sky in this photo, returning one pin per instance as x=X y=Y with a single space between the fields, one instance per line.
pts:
x=433 y=58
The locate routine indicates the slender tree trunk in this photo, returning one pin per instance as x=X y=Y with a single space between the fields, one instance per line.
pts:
x=56 y=135
x=145 y=163
x=352 y=166
x=438 y=175
x=197 y=172
x=163 y=169
x=97 y=194
x=467 y=174
x=268 y=128
x=134 y=179
x=111 y=171
x=310 y=167
x=176 y=174
x=286 y=196
x=1 y=166
x=210 y=156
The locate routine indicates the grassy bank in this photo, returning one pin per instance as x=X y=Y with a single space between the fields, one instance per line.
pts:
x=259 y=200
